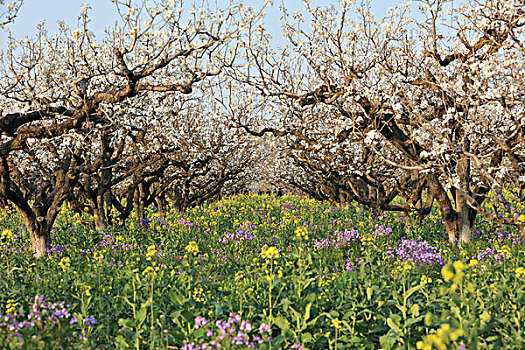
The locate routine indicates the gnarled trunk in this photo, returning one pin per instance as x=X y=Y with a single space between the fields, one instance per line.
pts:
x=460 y=221
x=39 y=233
x=160 y=203
x=99 y=216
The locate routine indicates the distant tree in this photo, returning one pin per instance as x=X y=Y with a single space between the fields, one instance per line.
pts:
x=67 y=99
x=442 y=97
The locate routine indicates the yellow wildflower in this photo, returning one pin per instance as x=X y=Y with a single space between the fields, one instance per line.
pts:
x=148 y=270
x=425 y=280
x=301 y=232
x=10 y=306
x=192 y=247
x=65 y=263
x=152 y=250
x=269 y=252
x=7 y=234
x=336 y=323
x=520 y=271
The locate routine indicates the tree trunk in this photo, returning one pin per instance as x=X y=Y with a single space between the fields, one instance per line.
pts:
x=141 y=208
x=466 y=221
x=466 y=215
x=458 y=222
x=160 y=203
x=99 y=216
x=39 y=233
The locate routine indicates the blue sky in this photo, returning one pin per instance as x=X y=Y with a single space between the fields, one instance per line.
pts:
x=103 y=14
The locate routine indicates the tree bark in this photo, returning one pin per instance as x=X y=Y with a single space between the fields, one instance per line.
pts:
x=39 y=233
x=160 y=203
x=99 y=216
x=459 y=222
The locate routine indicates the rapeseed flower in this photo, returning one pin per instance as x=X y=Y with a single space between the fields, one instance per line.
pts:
x=301 y=232
x=152 y=250
x=269 y=252
x=10 y=306
x=336 y=323
x=441 y=340
x=454 y=272
x=520 y=271
x=65 y=263
x=425 y=280
x=192 y=247
x=7 y=235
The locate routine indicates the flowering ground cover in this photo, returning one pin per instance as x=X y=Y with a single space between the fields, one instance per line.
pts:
x=266 y=273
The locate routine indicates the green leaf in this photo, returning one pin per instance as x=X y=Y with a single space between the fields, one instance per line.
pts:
x=281 y=322
x=312 y=297
x=285 y=303
x=414 y=310
x=125 y=323
x=306 y=337
x=411 y=321
x=485 y=317
x=176 y=298
x=388 y=340
x=188 y=315
x=307 y=313
x=121 y=341
x=141 y=316
x=413 y=290
x=175 y=315
x=218 y=309
x=394 y=326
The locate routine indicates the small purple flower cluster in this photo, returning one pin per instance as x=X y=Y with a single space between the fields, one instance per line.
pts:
x=218 y=254
x=90 y=321
x=274 y=241
x=485 y=255
x=16 y=246
x=355 y=265
x=382 y=230
x=351 y=265
x=145 y=223
x=247 y=225
x=6 y=250
x=379 y=215
x=230 y=333
x=514 y=238
x=111 y=251
x=43 y=314
x=184 y=222
x=287 y=207
x=239 y=237
x=419 y=251
x=56 y=249
x=340 y=239
x=490 y=255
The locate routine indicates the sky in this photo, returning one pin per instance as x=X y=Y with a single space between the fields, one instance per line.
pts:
x=103 y=14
